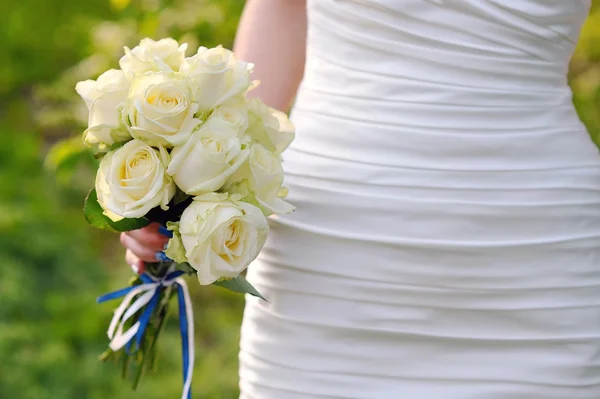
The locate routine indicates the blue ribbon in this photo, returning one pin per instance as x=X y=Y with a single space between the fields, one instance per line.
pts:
x=147 y=296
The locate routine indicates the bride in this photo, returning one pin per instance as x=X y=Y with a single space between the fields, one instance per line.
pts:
x=447 y=238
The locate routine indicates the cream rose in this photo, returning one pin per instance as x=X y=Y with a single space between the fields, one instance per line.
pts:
x=103 y=98
x=233 y=114
x=269 y=127
x=205 y=162
x=218 y=236
x=165 y=55
x=260 y=181
x=132 y=180
x=160 y=109
x=217 y=75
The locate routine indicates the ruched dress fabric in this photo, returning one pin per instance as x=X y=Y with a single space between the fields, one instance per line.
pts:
x=446 y=243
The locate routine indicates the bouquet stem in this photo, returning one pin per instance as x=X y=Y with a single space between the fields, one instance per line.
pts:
x=140 y=358
x=148 y=359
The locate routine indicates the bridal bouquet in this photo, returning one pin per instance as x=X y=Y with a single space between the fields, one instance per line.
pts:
x=181 y=144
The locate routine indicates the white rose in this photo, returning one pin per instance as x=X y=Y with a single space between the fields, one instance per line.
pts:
x=233 y=114
x=260 y=180
x=132 y=180
x=220 y=236
x=160 y=109
x=103 y=98
x=217 y=75
x=205 y=162
x=269 y=127
x=165 y=55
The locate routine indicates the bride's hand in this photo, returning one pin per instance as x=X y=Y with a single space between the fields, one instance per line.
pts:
x=144 y=245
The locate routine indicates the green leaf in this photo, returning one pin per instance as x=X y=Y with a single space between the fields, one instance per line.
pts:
x=95 y=216
x=239 y=284
x=186 y=268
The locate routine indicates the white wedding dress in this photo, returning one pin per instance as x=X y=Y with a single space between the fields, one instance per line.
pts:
x=446 y=243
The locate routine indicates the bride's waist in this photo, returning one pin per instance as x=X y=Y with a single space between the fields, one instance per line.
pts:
x=397 y=79
x=423 y=106
x=442 y=136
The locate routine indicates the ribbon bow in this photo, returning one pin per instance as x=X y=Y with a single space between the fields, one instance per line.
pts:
x=149 y=294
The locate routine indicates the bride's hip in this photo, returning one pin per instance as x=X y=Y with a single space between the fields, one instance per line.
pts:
x=447 y=227
x=433 y=252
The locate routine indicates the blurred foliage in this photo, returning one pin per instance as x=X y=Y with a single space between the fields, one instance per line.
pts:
x=53 y=264
x=585 y=73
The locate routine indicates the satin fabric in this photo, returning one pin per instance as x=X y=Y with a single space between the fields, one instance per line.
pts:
x=447 y=238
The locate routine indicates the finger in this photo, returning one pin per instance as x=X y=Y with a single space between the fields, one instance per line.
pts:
x=140 y=249
x=137 y=265
x=150 y=236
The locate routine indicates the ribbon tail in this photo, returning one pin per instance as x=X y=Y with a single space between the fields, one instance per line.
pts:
x=121 y=339
x=116 y=294
x=145 y=318
x=124 y=312
x=121 y=309
x=186 y=325
x=150 y=291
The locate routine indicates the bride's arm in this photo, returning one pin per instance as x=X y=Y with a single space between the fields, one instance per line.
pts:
x=272 y=35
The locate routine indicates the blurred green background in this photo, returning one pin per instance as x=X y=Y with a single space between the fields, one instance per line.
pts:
x=52 y=264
